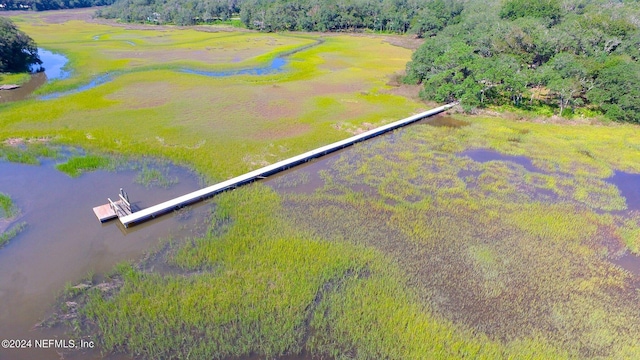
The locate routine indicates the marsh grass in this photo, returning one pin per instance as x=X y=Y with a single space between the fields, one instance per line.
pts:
x=75 y=166
x=493 y=247
x=28 y=153
x=7 y=208
x=149 y=109
x=456 y=259
x=155 y=176
x=408 y=250
x=12 y=232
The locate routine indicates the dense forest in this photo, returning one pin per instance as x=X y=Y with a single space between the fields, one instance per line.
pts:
x=40 y=5
x=17 y=50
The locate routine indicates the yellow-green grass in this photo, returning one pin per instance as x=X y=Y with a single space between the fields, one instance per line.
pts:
x=493 y=247
x=8 y=210
x=265 y=287
x=220 y=126
x=11 y=232
x=11 y=79
x=7 y=207
x=76 y=165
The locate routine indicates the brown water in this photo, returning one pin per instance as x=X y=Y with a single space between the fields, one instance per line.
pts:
x=24 y=90
x=53 y=65
x=63 y=241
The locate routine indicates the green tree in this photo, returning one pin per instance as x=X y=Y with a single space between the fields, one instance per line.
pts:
x=617 y=92
x=17 y=50
x=549 y=9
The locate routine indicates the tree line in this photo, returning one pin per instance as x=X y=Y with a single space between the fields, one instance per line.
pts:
x=398 y=16
x=41 y=5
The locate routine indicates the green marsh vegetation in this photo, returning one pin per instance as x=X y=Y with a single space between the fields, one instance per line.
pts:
x=8 y=211
x=408 y=250
x=7 y=207
x=76 y=165
x=152 y=176
x=29 y=152
x=503 y=251
x=150 y=108
x=10 y=233
x=571 y=57
x=10 y=78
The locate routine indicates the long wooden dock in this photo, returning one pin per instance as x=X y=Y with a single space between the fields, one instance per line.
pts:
x=173 y=204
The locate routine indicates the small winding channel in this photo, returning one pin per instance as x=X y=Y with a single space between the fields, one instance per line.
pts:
x=277 y=65
x=54 y=69
x=54 y=66
x=63 y=241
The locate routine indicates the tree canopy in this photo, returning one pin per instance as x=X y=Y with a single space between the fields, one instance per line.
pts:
x=17 y=50
x=578 y=54
x=399 y=16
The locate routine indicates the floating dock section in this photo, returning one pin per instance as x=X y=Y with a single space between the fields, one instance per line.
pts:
x=114 y=209
x=174 y=204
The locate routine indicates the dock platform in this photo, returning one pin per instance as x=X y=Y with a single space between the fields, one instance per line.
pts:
x=105 y=212
x=114 y=209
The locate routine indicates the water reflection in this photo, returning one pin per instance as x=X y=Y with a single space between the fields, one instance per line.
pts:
x=276 y=66
x=53 y=65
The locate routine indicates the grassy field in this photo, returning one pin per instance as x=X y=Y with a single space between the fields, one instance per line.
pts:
x=219 y=126
x=407 y=250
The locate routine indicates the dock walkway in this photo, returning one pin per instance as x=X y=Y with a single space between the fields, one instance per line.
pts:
x=174 y=204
